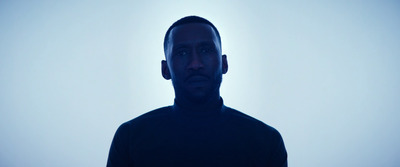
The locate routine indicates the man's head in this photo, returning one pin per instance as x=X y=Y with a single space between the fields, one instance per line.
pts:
x=194 y=59
x=188 y=20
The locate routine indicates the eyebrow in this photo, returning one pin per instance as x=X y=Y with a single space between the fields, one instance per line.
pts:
x=187 y=44
x=179 y=46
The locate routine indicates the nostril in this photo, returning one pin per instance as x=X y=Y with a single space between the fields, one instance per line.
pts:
x=195 y=64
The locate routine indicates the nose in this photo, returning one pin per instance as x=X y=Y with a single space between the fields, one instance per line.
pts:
x=195 y=62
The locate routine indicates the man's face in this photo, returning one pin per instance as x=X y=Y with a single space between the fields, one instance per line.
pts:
x=194 y=61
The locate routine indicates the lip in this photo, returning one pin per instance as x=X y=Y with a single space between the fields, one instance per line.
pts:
x=197 y=78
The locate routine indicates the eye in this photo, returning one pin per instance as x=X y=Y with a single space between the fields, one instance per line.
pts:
x=181 y=52
x=206 y=50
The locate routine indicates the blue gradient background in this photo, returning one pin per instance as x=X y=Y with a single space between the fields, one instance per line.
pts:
x=325 y=74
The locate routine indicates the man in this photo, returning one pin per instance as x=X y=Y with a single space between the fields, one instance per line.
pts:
x=198 y=130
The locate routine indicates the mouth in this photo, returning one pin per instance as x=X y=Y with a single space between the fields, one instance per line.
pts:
x=197 y=79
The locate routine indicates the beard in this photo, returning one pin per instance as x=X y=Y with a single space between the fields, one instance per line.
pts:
x=199 y=94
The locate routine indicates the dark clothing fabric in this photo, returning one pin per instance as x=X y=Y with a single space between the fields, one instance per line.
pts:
x=177 y=136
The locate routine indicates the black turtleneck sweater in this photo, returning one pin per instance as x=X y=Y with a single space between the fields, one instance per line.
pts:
x=178 y=136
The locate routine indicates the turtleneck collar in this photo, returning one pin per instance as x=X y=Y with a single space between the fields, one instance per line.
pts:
x=216 y=108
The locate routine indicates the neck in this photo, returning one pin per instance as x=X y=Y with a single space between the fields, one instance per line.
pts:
x=199 y=104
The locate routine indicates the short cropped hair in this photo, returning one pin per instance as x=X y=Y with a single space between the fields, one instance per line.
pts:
x=188 y=20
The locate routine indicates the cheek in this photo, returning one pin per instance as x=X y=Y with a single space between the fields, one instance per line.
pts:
x=211 y=60
x=179 y=63
x=176 y=69
x=215 y=62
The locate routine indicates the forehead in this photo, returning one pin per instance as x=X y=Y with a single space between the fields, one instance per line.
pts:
x=192 y=33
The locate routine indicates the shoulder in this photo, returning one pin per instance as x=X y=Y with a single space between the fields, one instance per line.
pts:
x=150 y=117
x=256 y=131
x=264 y=138
x=154 y=114
x=124 y=136
x=236 y=115
x=242 y=120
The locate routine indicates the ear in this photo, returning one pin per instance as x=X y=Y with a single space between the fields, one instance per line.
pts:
x=224 y=64
x=164 y=70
